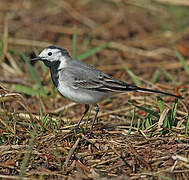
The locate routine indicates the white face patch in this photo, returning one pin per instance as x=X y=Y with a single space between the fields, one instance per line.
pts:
x=55 y=53
x=50 y=54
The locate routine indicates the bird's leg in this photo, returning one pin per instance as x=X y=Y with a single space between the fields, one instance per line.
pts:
x=96 y=108
x=83 y=115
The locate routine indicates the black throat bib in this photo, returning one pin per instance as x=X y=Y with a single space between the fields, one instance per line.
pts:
x=54 y=70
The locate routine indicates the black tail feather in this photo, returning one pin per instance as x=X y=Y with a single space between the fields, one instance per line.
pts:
x=138 y=89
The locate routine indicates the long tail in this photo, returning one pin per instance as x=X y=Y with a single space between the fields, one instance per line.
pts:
x=138 y=89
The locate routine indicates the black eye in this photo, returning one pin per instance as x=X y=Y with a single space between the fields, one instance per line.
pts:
x=50 y=53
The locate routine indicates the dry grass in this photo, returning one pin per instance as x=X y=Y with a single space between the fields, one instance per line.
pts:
x=143 y=138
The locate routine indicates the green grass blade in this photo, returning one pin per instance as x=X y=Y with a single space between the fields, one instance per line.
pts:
x=92 y=51
x=160 y=103
x=132 y=122
x=156 y=77
x=148 y=122
x=182 y=60
x=167 y=75
x=27 y=156
x=138 y=123
x=27 y=90
x=31 y=70
x=151 y=112
x=133 y=76
x=4 y=41
x=74 y=44
x=174 y=111
x=187 y=126
x=33 y=73
x=58 y=158
x=85 y=43
x=1 y=48
x=167 y=122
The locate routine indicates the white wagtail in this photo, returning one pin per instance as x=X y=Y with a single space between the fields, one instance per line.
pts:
x=83 y=83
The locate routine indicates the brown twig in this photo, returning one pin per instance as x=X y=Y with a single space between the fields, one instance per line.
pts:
x=72 y=151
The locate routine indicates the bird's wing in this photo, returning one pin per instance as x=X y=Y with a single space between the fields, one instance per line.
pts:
x=80 y=75
x=87 y=78
x=78 y=78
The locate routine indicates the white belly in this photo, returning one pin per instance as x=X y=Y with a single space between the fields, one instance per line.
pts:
x=82 y=96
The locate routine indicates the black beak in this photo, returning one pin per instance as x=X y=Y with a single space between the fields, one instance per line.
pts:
x=36 y=59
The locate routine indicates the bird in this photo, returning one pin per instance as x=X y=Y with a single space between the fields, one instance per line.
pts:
x=83 y=83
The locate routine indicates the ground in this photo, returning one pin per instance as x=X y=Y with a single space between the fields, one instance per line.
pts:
x=138 y=135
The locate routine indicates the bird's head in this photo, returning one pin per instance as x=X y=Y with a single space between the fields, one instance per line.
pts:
x=52 y=55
